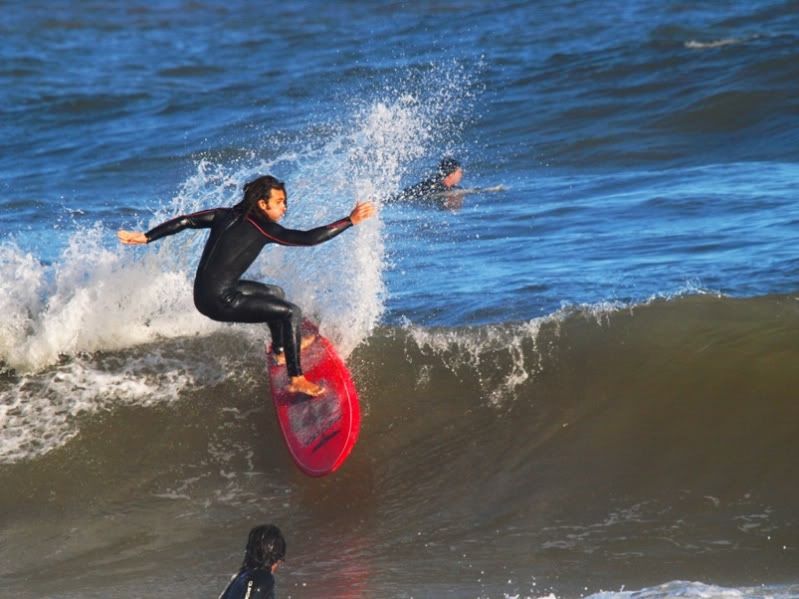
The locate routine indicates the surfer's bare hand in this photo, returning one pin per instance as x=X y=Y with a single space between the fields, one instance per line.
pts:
x=132 y=237
x=362 y=211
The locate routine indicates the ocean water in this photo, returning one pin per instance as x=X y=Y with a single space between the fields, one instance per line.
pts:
x=578 y=373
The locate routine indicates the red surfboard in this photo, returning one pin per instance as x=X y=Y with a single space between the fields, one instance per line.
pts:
x=319 y=432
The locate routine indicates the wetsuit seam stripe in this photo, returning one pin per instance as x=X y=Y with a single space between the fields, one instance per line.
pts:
x=174 y=220
x=267 y=235
x=189 y=215
x=344 y=222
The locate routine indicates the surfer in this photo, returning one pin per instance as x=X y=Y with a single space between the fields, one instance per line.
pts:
x=265 y=551
x=238 y=234
x=433 y=189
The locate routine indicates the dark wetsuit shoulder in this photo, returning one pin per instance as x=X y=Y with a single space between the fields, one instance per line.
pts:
x=251 y=584
x=425 y=191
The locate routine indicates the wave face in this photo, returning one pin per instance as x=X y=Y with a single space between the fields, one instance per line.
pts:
x=595 y=448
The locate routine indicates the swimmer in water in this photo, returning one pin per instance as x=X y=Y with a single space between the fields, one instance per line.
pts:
x=433 y=189
x=238 y=234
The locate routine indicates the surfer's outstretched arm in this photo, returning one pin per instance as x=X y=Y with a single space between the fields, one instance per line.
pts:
x=198 y=220
x=283 y=236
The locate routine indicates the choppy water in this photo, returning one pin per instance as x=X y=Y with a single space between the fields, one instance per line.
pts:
x=581 y=382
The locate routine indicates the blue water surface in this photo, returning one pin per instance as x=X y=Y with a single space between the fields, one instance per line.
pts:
x=644 y=148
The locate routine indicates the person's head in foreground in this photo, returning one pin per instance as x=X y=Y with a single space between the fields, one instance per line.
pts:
x=266 y=548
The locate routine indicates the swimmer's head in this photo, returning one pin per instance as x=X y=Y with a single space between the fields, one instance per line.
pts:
x=448 y=166
x=450 y=172
x=259 y=189
x=266 y=547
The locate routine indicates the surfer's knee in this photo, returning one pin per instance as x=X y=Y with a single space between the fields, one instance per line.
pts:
x=278 y=292
x=208 y=309
x=293 y=313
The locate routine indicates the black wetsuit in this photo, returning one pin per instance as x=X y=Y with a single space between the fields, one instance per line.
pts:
x=233 y=245
x=429 y=191
x=250 y=584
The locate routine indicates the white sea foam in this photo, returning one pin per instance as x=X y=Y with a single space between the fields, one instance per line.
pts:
x=697 y=45
x=92 y=298
x=699 y=590
x=38 y=413
x=678 y=588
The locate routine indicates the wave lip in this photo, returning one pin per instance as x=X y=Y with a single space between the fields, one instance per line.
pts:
x=699 y=590
x=720 y=43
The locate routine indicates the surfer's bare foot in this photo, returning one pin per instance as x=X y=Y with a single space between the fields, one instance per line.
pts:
x=280 y=358
x=299 y=384
x=306 y=341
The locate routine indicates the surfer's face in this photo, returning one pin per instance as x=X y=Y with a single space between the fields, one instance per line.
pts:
x=453 y=178
x=275 y=207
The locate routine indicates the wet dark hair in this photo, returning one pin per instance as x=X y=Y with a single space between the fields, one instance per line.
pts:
x=259 y=189
x=265 y=547
x=448 y=166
